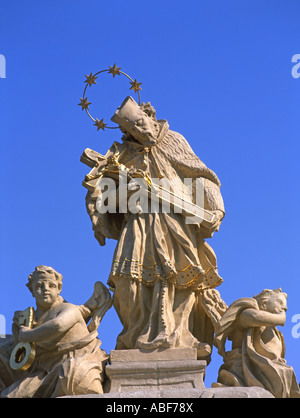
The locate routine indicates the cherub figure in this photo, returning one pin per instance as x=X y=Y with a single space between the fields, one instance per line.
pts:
x=257 y=355
x=68 y=359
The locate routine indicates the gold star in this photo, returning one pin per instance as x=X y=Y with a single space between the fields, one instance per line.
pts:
x=100 y=124
x=84 y=103
x=114 y=70
x=135 y=86
x=90 y=79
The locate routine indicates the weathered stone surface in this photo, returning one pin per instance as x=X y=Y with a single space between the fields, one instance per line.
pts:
x=232 y=392
x=156 y=375
x=155 y=355
x=236 y=392
x=131 y=370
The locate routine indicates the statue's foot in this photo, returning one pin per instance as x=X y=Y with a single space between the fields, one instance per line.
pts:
x=217 y=385
x=161 y=340
x=203 y=350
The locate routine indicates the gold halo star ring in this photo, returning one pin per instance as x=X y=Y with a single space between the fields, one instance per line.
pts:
x=91 y=79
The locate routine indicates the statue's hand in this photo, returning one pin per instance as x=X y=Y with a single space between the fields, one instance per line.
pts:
x=24 y=334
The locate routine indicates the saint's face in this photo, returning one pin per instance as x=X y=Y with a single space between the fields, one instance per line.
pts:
x=276 y=303
x=142 y=127
x=46 y=290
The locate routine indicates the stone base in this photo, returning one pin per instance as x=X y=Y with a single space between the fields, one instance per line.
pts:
x=165 y=374
x=220 y=393
x=136 y=370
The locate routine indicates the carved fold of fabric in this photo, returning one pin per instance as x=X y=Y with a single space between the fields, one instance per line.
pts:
x=254 y=364
x=190 y=275
x=160 y=317
x=78 y=370
x=262 y=368
x=162 y=246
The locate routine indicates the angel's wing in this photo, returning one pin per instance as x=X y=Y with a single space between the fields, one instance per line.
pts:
x=95 y=308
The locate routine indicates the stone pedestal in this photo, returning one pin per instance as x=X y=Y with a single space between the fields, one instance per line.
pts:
x=135 y=370
x=223 y=393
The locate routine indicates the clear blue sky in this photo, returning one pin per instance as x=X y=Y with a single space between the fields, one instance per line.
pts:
x=218 y=71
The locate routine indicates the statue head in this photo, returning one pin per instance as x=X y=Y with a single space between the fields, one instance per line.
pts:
x=138 y=121
x=45 y=284
x=274 y=301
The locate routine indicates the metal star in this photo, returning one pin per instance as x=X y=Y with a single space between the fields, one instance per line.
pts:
x=84 y=103
x=135 y=86
x=100 y=124
x=90 y=79
x=114 y=70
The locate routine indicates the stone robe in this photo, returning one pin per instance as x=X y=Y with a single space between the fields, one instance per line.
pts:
x=253 y=364
x=161 y=262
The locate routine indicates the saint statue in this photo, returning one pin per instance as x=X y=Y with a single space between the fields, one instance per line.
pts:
x=162 y=264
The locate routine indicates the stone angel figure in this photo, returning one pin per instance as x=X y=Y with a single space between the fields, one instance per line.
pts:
x=64 y=355
x=258 y=350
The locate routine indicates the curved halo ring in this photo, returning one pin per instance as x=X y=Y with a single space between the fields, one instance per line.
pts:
x=91 y=79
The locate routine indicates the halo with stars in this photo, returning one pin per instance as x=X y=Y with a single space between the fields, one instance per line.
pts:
x=91 y=79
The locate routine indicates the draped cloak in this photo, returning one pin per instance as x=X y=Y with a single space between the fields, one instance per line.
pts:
x=160 y=260
x=254 y=363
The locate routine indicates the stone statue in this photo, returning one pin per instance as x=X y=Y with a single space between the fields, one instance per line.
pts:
x=66 y=358
x=162 y=264
x=257 y=355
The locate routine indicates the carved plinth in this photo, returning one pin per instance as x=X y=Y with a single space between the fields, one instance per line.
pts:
x=133 y=370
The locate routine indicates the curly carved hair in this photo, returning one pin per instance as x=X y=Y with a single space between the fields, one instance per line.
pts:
x=43 y=270
x=265 y=294
x=148 y=109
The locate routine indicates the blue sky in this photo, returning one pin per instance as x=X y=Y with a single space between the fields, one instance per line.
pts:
x=219 y=72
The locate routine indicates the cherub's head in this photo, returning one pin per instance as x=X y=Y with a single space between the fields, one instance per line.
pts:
x=45 y=284
x=273 y=301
